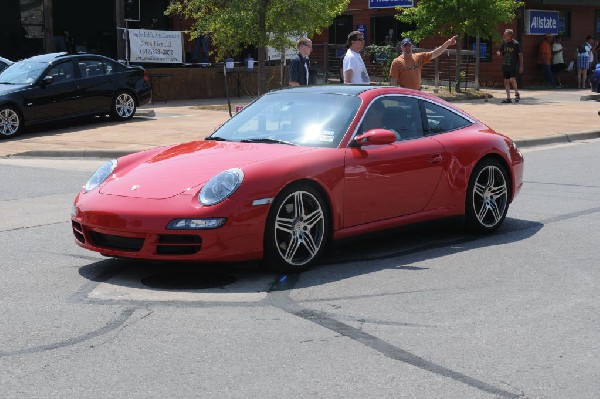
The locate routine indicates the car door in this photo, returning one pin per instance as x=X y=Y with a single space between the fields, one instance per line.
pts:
x=392 y=180
x=95 y=85
x=54 y=100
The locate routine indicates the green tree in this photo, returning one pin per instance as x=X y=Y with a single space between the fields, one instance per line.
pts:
x=477 y=18
x=234 y=24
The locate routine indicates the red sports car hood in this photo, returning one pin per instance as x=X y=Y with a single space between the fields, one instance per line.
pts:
x=187 y=166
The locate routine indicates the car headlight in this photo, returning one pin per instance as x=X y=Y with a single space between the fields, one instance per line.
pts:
x=221 y=186
x=100 y=175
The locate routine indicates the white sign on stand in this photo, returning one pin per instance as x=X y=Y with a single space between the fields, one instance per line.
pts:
x=155 y=46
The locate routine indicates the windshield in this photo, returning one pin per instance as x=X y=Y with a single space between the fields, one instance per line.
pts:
x=292 y=117
x=23 y=72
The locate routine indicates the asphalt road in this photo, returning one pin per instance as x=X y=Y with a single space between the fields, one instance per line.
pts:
x=423 y=313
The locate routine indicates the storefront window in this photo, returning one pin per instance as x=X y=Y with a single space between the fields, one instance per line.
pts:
x=564 y=23
x=21 y=28
x=387 y=30
x=485 y=48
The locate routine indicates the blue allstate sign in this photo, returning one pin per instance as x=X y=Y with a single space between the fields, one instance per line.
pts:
x=540 y=22
x=391 y=3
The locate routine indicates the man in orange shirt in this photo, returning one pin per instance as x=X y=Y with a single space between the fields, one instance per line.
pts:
x=545 y=58
x=406 y=68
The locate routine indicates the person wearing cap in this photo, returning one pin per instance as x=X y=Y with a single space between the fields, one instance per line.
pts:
x=512 y=61
x=545 y=58
x=355 y=71
x=406 y=68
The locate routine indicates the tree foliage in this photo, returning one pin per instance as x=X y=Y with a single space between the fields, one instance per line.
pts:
x=477 y=18
x=235 y=24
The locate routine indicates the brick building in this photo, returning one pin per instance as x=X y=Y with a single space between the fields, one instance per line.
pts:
x=572 y=19
x=29 y=27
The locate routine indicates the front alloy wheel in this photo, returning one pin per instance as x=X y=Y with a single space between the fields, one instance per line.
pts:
x=123 y=107
x=10 y=122
x=296 y=231
x=487 y=197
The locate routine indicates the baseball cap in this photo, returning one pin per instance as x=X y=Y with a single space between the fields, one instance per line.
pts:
x=406 y=40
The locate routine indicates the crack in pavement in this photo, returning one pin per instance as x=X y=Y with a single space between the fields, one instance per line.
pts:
x=110 y=326
x=279 y=296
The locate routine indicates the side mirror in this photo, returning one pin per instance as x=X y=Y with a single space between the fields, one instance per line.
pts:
x=48 y=80
x=376 y=137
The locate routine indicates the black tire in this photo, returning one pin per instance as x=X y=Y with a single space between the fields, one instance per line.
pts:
x=487 y=197
x=11 y=122
x=297 y=229
x=123 y=106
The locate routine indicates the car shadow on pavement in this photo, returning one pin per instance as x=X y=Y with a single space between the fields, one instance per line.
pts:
x=398 y=249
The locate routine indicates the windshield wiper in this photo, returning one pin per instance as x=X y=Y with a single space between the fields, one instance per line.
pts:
x=267 y=140
x=216 y=138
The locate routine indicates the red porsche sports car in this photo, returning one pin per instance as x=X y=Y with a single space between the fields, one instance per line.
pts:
x=295 y=169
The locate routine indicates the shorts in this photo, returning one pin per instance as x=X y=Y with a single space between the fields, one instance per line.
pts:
x=558 y=67
x=509 y=73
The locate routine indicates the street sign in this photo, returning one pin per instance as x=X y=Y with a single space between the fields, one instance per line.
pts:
x=540 y=22
x=391 y=3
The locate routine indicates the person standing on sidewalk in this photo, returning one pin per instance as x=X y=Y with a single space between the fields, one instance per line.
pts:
x=299 y=72
x=583 y=62
x=545 y=59
x=406 y=68
x=355 y=71
x=558 y=60
x=512 y=61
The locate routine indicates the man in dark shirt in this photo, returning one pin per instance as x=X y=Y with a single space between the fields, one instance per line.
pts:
x=300 y=65
x=512 y=61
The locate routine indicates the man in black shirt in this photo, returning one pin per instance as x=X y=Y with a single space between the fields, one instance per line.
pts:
x=298 y=73
x=512 y=61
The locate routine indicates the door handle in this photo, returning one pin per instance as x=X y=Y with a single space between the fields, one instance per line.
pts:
x=435 y=159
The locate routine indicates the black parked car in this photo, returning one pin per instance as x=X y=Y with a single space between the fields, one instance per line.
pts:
x=57 y=86
x=4 y=63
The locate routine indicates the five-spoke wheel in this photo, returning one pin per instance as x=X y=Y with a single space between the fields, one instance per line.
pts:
x=487 y=197
x=297 y=229
x=123 y=106
x=10 y=122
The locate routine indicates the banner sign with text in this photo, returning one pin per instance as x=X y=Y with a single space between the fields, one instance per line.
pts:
x=155 y=46
x=540 y=22
x=391 y=3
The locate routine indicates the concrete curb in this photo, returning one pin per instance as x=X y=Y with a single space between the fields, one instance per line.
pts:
x=104 y=154
x=146 y=113
x=558 y=139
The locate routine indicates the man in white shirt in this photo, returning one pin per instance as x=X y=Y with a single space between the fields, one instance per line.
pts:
x=355 y=71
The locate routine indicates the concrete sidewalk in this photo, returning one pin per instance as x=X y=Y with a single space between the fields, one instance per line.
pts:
x=541 y=117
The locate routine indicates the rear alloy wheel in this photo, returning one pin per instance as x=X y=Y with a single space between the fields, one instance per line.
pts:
x=10 y=122
x=487 y=197
x=297 y=229
x=123 y=106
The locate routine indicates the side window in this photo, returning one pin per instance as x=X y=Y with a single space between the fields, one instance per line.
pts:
x=62 y=72
x=91 y=68
x=399 y=114
x=109 y=68
x=439 y=119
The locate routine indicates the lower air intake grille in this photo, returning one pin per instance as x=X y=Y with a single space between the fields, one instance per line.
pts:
x=117 y=242
x=175 y=244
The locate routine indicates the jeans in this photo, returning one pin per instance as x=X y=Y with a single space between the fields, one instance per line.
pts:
x=548 y=74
